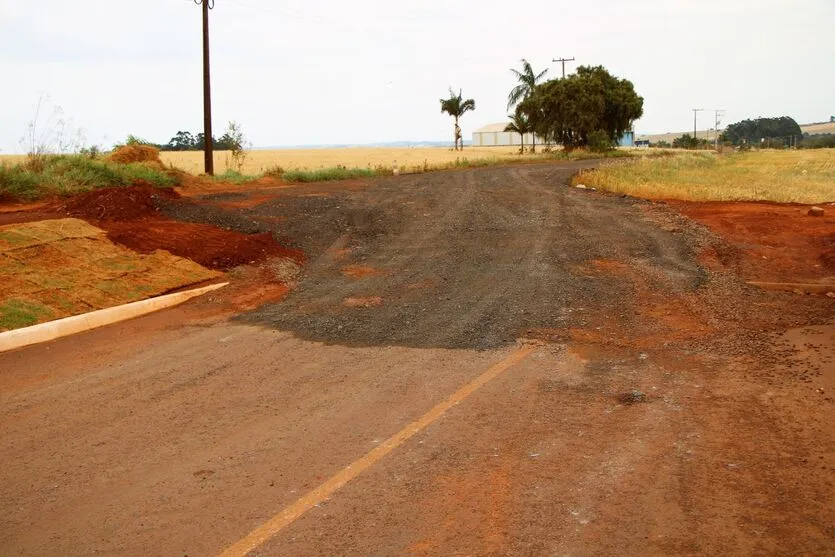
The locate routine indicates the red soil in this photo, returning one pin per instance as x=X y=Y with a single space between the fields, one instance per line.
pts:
x=117 y=203
x=779 y=243
x=131 y=218
x=207 y=245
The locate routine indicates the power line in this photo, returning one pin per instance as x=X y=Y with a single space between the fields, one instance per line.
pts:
x=563 y=60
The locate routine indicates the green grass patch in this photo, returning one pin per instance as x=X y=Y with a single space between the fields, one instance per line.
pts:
x=16 y=313
x=327 y=174
x=71 y=174
x=234 y=177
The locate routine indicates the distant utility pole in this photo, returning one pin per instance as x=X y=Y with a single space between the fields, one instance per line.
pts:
x=718 y=113
x=563 y=60
x=208 y=148
x=695 y=112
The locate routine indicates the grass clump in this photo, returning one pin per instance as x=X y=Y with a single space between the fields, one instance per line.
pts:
x=16 y=313
x=71 y=174
x=779 y=176
x=327 y=174
x=274 y=171
x=234 y=177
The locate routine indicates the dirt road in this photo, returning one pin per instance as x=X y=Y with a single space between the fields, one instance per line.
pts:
x=666 y=407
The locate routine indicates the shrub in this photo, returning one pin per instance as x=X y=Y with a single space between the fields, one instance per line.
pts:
x=18 y=183
x=600 y=142
x=274 y=172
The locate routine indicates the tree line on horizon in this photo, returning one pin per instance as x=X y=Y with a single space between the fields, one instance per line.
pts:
x=187 y=141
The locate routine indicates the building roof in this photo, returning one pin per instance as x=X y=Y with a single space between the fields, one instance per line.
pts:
x=499 y=127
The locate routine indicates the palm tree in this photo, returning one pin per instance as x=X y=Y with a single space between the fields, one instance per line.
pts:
x=519 y=124
x=528 y=80
x=455 y=106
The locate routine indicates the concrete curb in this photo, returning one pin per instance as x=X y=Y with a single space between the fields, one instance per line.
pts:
x=78 y=323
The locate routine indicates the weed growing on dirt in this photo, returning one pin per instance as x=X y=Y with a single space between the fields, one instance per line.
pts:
x=234 y=177
x=327 y=174
x=781 y=176
x=274 y=172
x=71 y=174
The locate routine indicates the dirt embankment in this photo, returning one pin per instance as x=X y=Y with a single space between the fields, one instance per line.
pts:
x=133 y=217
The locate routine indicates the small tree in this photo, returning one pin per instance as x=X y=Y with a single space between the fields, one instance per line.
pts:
x=456 y=107
x=234 y=140
x=519 y=124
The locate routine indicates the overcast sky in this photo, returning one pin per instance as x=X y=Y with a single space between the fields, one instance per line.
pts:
x=362 y=71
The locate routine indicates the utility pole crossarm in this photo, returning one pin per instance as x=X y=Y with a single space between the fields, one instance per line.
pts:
x=563 y=61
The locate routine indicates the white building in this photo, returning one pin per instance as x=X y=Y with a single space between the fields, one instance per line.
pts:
x=493 y=135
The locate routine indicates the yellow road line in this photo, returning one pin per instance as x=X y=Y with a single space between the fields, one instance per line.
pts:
x=263 y=533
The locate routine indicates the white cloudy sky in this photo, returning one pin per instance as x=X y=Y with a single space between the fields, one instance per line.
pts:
x=359 y=71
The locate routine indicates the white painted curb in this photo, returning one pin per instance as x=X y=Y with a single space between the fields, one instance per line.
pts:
x=78 y=323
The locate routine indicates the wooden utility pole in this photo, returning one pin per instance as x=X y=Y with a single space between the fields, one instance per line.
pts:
x=563 y=60
x=208 y=148
x=717 y=113
x=695 y=112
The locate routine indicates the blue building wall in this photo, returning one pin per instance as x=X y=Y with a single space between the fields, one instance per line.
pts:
x=627 y=140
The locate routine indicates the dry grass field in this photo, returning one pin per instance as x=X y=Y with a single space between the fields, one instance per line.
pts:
x=781 y=176
x=258 y=161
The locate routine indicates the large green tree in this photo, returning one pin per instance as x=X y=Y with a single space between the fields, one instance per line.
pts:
x=568 y=110
x=777 y=130
x=456 y=107
x=519 y=124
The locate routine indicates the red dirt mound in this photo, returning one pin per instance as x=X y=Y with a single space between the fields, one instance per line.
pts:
x=207 y=245
x=120 y=203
